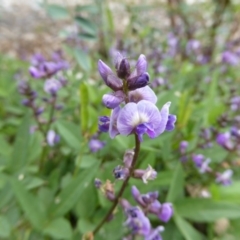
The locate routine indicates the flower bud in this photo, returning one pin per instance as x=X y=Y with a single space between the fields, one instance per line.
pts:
x=108 y=76
x=112 y=100
x=127 y=158
x=171 y=122
x=166 y=212
x=97 y=183
x=120 y=173
x=52 y=138
x=123 y=70
x=138 y=81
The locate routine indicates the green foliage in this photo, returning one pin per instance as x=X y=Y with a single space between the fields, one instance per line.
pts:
x=47 y=192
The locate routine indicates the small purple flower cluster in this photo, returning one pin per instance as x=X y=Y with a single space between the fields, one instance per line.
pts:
x=134 y=112
x=137 y=220
x=202 y=164
x=140 y=114
x=50 y=72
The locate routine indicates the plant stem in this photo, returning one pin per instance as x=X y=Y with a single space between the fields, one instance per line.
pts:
x=124 y=185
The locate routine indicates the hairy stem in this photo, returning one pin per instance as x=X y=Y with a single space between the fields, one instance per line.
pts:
x=124 y=185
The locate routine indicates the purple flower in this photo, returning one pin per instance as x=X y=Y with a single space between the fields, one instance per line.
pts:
x=52 y=86
x=52 y=138
x=204 y=166
x=171 y=122
x=108 y=76
x=166 y=212
x=192 y=46
x=230 y=58
x=141 y=118
x=144 y=93
x=145 y=175
x=120 y=173
x=183 y=146
x=112 y=100
x=154 y=235
x=224 y=140
x=235 y=103
x=137 y=222
x=103 y=123
x=225 y=177
x=95 y=145
x=198 y=159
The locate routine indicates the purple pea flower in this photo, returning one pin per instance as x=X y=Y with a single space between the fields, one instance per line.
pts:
x=137 y=222
x=166 y=212
x=154 y=235
x=171 y=122
x=103 y=123
x=52 y=138
x=52 y=86
x=141 y=118
x=144 y=93
x=198 y=159
x=112 y=100
x=230 y=58
x=224 y=140
x=95 y=145
x=225 y=177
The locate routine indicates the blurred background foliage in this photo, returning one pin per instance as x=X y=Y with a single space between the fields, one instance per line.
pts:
x=59 y=201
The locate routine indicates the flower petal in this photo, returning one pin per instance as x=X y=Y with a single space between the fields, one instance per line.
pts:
x=145 y=93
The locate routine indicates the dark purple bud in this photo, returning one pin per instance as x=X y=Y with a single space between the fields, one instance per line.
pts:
x=123 y=70
x=166 y=212
x=95 y=145
x=59 y=107
x=235 y=132
x=103 y=123
x=97 y=183
x=26 y=102
x=120 y=173
x=171 y=122
x=138 y=81
x=108 y=76
x=63 y=81
x=112 y=100
x=39 y=111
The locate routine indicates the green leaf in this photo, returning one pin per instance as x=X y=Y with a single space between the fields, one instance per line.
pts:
x=206 y=210
x=177 y=185
x=87 y=36
x=5 y=227
x=83 y=59
x=70 y=195
x=229 y=194
x=186 y=228
x=21 y=145
x=86 y=161
x=29 y=204
x=70 y=132
x=86 y=24
x=91 y=8
x=84 y=107
x=57 y=11
x=59 y=228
